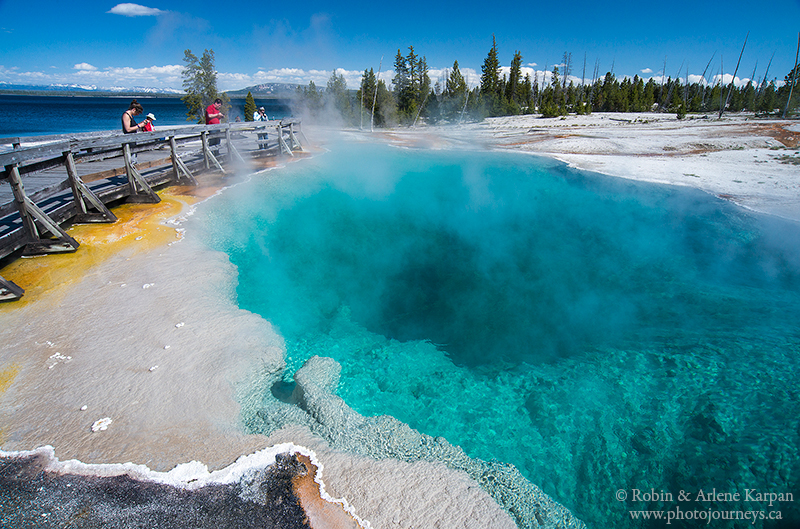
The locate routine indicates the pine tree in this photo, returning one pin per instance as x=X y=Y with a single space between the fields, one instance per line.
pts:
x=200 y=85
x=649 y=95
x=191 y=85
x=513 y=89
x=526 y=97
x=374 y=90
x=490 y=80
x=454 y=94
x=249 y=107
x=385 y=107
x=401 y=81
x=456 y=86
x=365 y=95
x=338 y=97
x=413 y=76
x=425 y=91
x=412 y=85
x=310 y=100
x=769 y=98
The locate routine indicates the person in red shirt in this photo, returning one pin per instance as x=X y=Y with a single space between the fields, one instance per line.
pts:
x=213 y=113
x=148 y=122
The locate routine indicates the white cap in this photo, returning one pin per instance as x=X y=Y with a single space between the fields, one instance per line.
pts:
x=151 y=117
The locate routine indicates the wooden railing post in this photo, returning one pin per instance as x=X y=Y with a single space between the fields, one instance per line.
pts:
x=79 y=191
x=173 y=150
x=206 y=152
x=228 y=143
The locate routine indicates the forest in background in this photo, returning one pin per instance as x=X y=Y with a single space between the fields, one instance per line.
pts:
x=412 y=98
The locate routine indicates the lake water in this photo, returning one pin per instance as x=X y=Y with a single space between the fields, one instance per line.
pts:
x=44 y=115
x=599 y=334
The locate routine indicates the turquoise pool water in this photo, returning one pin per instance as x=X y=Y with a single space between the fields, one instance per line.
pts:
x=599 y=334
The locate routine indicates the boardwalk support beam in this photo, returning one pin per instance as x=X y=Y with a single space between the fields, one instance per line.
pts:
x=81 y=191
x=30 y=213
x=295 y=141
x=9 y=291
x=209 y=156
x=178 y=166
x=282 y=142
x=238 y=155
x=146 y=195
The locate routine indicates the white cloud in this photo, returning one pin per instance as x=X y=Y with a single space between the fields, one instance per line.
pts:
x=134 y=10
x=84 y=66
x=693 y=78
x=726 y=80
x=646 y=70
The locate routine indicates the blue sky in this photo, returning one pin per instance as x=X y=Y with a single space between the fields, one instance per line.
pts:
x=109 y=44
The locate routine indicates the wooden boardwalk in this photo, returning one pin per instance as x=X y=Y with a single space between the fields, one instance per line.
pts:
x=49 y=182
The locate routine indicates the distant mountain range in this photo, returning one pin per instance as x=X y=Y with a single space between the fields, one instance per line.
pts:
x=263 y=90
x=266 y=89
x=88 y=89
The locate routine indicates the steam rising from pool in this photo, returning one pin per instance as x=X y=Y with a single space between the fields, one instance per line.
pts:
x=599 y=334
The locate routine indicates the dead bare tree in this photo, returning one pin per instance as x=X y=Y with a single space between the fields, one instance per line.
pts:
x=686 y=89
x=730 y=89
x=753 y=75
x=721 y=80
x=763 y=83
x=703 y=103
x=583 y=78
x=567 y=68
x=672 y=85
x=375 y=97
x=793 y=79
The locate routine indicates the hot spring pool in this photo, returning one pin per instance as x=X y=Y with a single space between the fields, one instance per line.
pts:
x=597 y=333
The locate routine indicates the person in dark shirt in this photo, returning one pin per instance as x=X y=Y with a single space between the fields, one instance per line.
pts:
x=129 y=125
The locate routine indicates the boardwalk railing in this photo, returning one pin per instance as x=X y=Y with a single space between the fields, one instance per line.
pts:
x=115 y=166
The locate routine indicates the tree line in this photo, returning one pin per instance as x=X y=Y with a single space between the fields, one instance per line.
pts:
x=412 y=98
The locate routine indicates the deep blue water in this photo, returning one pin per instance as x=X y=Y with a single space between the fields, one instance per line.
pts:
x=44 y=115
x=599 y=334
